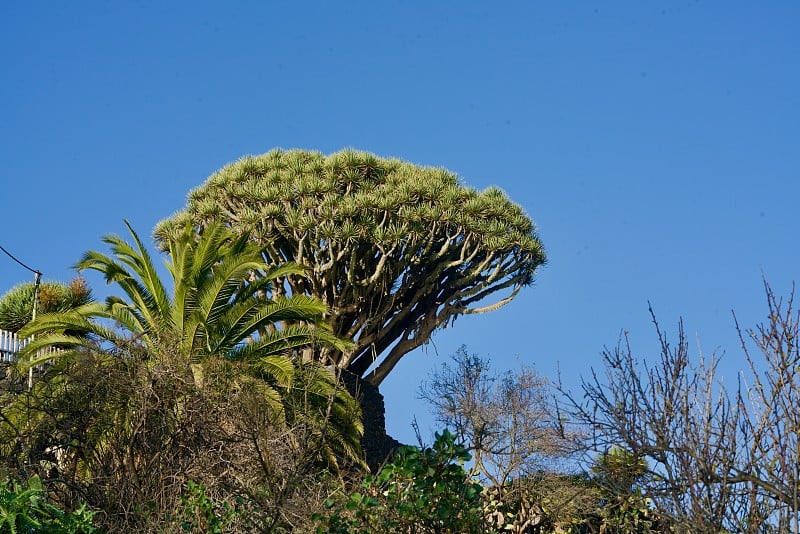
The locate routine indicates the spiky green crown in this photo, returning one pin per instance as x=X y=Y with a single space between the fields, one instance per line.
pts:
x=343 y=197
x=16 y=306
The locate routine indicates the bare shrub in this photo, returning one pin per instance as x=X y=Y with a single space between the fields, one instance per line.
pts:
x=509 y=423
x=718 y=459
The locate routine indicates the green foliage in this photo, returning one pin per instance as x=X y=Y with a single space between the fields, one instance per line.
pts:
x=16 y=306
x=623 y=507
x=202 y=382
x=214 y=311
x=26 y=509
x=395 y=250
x=421 y=490
x=125 y=432
x=115 y=430
x=200 y=513
x=619 y=471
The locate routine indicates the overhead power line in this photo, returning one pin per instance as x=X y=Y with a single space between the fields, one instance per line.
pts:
x=34 y=271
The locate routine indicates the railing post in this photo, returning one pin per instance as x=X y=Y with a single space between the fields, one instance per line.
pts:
x=10 y=345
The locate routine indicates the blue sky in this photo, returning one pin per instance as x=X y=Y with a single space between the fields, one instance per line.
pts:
x=655 y=144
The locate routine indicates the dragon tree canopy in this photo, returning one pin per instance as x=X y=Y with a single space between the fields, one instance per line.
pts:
x=394 y=249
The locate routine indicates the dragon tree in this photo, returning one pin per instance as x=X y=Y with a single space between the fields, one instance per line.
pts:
x=394 y=249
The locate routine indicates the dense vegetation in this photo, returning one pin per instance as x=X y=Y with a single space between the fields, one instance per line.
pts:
x=214 y=401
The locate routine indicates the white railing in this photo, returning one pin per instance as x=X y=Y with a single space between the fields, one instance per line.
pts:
x=10 y=345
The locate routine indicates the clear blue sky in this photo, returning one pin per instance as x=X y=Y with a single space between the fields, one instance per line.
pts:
x=656 y=144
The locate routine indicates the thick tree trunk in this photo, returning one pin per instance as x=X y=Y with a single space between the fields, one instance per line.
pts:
x=378 y=446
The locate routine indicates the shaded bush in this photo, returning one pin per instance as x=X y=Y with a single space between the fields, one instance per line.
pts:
x=133 y=436
x=422 y=490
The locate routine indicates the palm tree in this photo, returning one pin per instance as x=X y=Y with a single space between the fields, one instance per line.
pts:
x=218 y=309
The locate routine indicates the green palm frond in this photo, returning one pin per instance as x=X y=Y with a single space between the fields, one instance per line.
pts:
x=127 y=316
x=284 y=341
x=273 y=400
x=323 y=400
x=278 y=369
x=150 y=300
x=36 y=358
x=220 y=288
x=79 y=321
x=278 y=311
x=218 y=309
x=146 y=270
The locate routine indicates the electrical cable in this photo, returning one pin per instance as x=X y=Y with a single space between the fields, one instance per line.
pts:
x=34 y=271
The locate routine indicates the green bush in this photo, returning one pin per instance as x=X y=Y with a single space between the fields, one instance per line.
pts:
x=26 y=509
x=200 y=513
x=421 y=490
x=624 y=507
